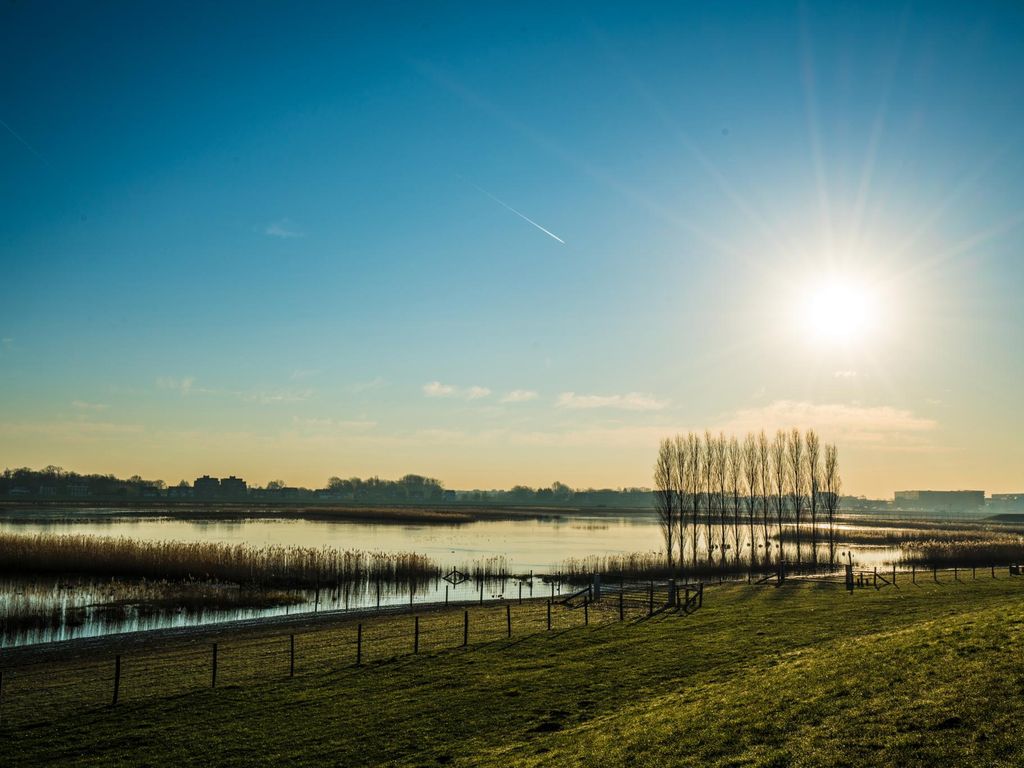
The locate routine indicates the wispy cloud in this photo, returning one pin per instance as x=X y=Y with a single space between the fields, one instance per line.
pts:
x=284 y=229
x=303 y=373
x=331 y=425
x=376 y=382
x=877 y=425
x=519 y=396
x=78 y=431
x=84 y=406
x=631 y=401
x=437 y=389
x=183 y=385
x=276 y=396
x=187 y=386
x=846 y=374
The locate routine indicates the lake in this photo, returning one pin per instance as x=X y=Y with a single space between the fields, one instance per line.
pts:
x=540 y=546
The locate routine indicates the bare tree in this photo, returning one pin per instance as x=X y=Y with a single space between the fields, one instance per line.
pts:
x=721 y=478
x=765 y=478
x=694 y=462
x=832 y=485
x=708 y=472
x=813 y=446
x=734 y=471
x=681 y=480
x=797 y=482
x=779 y=478
x=750 y=489
x=664 y=495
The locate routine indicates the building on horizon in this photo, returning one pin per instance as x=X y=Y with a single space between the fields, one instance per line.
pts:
x=232 y=487
x=206 y=487
x=940 y=501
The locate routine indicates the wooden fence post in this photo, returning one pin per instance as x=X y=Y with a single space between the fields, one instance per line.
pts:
x=465 y=628
x=956 y=573
x=650 y=599
x=446 y=594
x=117 y=678
x=359 y=645
x=520 y=593
x=894 y=574
x=291 y=656
x=416 y=636
x=549 y=615
x=875 y=577
x=586 y=613
x=700 y=596
x=993 y=571
x=508 y=617
x=213 y=672
x=621 y=607
x=378 y=594
x=913 y=573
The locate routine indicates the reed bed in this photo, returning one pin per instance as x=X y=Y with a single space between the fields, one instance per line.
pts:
x=647 y=566
x=895 y=537
x=973 y=553
x=267 y=566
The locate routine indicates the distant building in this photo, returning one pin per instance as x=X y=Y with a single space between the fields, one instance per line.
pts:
x=149 y=491
x=232 y=487
x=206 y=487
x=448 y=495
x=78 y=490
x=1007 y=502
x=180 y=492
x=940 y=501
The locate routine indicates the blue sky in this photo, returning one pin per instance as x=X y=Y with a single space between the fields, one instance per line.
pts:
x=263 y=239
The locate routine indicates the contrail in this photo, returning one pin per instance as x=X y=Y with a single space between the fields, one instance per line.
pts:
x=28 y=146
x=503 y=204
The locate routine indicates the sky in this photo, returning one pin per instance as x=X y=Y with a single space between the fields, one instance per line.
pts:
x=510 y=243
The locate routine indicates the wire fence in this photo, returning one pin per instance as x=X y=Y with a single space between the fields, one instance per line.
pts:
x=41 y=691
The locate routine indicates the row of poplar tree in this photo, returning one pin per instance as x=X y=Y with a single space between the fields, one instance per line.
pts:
x=708 y=489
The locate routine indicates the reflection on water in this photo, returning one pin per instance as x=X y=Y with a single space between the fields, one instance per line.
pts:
x=46 y=610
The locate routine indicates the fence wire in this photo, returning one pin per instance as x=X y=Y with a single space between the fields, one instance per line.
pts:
x=42 y=691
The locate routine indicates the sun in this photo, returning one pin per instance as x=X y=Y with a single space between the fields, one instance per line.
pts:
x=837 y=310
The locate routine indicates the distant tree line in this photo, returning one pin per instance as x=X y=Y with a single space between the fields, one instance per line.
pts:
x=407 y=488
x=56 y=481
x=707 y=489
x=53 y=481
x=559 y=494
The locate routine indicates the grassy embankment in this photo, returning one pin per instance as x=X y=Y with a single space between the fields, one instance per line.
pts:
x=802 y=675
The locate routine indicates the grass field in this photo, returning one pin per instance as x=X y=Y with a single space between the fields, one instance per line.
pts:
x=930 y=674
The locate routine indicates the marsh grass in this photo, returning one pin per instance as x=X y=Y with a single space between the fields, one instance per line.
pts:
x=967 y=553
x=266 y=566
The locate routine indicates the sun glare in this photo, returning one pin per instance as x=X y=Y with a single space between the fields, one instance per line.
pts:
x=838 y=310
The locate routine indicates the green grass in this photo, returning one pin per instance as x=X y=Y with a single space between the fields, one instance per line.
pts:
x=802 y=675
